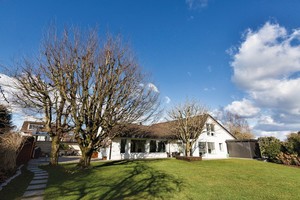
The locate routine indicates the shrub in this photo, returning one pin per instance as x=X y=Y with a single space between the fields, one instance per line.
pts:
x=270 y=147
x=292 y=144
x=10 y=144
x=288 y=159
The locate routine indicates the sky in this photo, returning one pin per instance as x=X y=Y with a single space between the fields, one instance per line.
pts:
x=239 y=56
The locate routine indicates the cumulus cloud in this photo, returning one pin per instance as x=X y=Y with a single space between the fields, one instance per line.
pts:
x=266 y=66
x=244 y=108
x=196 y=4
x=151 y=86
x=8 y=85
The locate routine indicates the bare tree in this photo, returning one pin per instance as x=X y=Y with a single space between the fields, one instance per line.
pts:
x=37 y=87
x=237 y=125
x=188 y=122
x=104 y=86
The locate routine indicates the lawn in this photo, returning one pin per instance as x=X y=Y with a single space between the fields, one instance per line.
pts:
x=175 y=179
x=16 y=188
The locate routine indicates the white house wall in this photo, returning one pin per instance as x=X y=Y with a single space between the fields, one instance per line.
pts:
x=117 y=155
x=220 y=136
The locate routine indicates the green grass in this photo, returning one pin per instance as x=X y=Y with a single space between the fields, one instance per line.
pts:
x=16 y=188
x=175 y=179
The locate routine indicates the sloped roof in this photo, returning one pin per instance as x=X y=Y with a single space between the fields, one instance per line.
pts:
x=141 y=131
x=160 y=130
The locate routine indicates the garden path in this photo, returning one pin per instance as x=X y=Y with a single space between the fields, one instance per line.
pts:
x=36 y=188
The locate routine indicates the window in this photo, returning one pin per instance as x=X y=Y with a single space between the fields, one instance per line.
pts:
x=221 y=146
x=210 y=129
x=211 y=147
x=161 y=146
x=123 y=145
x=207 y=128
x=137 y=146
x=202 y=148
x=152 y=146
x=35 y=126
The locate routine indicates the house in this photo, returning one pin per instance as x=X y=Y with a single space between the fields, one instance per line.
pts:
x=156 y=141
x=43 y=140
x=36 y=129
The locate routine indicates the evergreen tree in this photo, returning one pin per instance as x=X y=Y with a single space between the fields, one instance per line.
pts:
x=5 y=120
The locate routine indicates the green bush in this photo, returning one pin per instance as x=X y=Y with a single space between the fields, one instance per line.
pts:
x=270 y=148
x=292 y=144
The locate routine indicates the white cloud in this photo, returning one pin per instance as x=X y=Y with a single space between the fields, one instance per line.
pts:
x=196 y=4
x=167 y=99
x=153 y=87
x=266 y=66
x=8 y=87
x=209 y=89
x=244 y=108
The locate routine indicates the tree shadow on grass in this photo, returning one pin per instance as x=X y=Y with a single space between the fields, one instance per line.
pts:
x=144 y=182
x=125 y=179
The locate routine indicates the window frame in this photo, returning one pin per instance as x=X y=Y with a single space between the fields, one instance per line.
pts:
x=135 y=145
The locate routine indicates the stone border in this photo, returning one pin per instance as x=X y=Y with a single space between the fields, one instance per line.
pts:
x=18 y=172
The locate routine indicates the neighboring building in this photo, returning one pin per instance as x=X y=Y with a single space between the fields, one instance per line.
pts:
x=36 y=129
x=156 y=141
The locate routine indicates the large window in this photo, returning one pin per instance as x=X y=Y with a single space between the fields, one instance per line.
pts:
x=161 y=146
x=137 y=146
x=157 y=146
x=202 y=148
x=153 y=146
x=207 y=147
x=123 y=145
x=211 y=147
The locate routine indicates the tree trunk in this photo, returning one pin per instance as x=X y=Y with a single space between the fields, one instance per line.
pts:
x=54 y=150
x=86 y=155
x=187 y=149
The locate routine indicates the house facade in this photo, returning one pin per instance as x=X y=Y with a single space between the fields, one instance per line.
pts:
x=154 y=143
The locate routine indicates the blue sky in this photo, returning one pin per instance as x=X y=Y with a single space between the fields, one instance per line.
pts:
x=195 y=48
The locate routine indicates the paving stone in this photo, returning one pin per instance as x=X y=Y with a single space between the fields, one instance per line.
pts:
x=38 y=181
x=31 y=193
x=40 y=177
x=38 y=186
x=34 y=198
x=41 y=173
x=35 y=169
